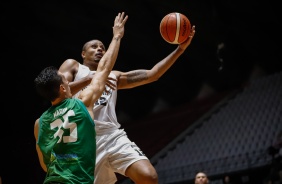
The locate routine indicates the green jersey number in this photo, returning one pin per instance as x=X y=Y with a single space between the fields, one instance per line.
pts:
x=66 y=125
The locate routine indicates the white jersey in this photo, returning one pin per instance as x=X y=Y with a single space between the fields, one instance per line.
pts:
x=104 y=109
x=114 y=151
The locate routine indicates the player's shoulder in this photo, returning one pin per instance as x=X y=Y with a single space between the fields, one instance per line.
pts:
x=71 y=62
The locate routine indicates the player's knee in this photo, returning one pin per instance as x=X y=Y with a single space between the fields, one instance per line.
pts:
x=145 y=177
x=150 y=177
x=153 y=178
x=142 y=172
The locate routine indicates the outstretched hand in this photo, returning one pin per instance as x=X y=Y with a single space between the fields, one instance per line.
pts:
x=118 y=28
x=185 y=44
x=110 y=83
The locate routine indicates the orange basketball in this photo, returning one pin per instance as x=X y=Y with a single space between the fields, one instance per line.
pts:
x=175 y=28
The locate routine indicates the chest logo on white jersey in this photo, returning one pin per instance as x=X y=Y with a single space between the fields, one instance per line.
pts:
x=103 y=100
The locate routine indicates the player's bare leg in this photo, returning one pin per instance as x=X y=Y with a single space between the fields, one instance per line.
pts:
x=142 y=172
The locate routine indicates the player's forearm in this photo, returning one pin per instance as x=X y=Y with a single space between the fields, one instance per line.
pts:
x=108 y=61
x=40 y=157
x=76 y=86
x=140 y=77
x=105 y=66
x=161 y=67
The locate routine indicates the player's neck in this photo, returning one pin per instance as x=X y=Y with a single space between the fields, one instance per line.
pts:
x=57 y=101
x=91 y=65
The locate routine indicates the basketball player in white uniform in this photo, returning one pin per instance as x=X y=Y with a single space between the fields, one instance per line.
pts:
x=115 y=152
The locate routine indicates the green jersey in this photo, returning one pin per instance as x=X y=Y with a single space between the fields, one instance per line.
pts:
x=67 y=139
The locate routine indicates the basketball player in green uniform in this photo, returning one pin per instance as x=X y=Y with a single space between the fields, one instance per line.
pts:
x=65 y=133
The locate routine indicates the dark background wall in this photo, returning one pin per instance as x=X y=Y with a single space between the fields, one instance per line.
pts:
x=36 y=34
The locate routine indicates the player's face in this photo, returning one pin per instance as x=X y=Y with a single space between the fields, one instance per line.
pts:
x=201 y=178
x=66 y=86
x=94 y=51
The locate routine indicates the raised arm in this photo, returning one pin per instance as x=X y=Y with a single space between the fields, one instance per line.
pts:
x=140 y=77
x=97 y=85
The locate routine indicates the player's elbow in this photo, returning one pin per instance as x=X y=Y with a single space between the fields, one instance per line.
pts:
x=153 y=75
x=154 y=78
x=43 y=166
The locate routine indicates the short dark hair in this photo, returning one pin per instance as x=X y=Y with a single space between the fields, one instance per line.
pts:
x=87 y=44
x=48 y=82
